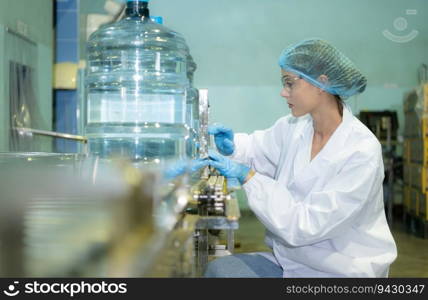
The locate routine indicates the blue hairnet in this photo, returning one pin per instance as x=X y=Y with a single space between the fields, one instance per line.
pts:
x=315 y=57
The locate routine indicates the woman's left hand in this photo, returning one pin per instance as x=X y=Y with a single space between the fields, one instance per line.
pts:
x=181 y=167
x=229 y=168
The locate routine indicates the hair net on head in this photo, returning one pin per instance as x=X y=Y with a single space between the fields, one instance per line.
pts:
x=315 y=57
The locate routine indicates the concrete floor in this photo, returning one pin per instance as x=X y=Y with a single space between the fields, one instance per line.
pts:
x=412 y=260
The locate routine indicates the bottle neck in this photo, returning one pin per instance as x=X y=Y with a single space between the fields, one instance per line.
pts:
x=137 y=9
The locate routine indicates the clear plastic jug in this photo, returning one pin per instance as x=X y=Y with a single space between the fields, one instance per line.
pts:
x=137 y=84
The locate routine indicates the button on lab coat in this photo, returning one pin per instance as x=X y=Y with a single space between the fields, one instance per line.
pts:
x=325 y=217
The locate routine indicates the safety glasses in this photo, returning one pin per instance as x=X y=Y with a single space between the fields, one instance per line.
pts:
x=288 y=82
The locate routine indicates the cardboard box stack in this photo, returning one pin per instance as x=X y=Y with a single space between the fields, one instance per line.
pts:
x=415 y=153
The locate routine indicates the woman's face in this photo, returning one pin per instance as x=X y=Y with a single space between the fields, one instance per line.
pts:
x=301 y=96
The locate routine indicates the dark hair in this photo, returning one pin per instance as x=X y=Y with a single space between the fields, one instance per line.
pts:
x=339 y=104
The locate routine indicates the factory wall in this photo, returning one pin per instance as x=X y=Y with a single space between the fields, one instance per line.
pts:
x=236 y=45
x=34 y=19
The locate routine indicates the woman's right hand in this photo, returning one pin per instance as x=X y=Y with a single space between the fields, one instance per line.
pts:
x=223 y=137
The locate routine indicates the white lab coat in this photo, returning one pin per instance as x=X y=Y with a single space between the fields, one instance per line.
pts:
x=325 y=217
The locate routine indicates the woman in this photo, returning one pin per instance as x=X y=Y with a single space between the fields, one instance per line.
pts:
x=314 y=179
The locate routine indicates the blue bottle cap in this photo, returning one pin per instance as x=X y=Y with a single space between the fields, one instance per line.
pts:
x=158 y=20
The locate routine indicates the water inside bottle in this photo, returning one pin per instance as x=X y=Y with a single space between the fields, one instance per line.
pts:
x=137 y=91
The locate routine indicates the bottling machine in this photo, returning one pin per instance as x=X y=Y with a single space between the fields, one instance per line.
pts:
x=110 y=211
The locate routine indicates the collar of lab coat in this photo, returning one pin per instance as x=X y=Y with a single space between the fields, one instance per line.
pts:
x=306 y=171
x=337 y=140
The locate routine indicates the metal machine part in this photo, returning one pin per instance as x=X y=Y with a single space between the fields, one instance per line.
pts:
x=23 y=130
x=67 y=136
x=102 y=218
x=204 y=140
x=218 y=212
x=210 y=194
x=94 y=218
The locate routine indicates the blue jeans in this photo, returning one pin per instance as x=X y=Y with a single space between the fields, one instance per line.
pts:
x=251 y=265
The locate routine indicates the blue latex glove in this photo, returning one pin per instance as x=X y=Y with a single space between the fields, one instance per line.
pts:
x=181 y=167
x=232 y=184
x=228 y=168
x=223 y=137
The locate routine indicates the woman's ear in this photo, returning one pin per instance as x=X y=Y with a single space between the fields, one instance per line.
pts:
x=324 y=80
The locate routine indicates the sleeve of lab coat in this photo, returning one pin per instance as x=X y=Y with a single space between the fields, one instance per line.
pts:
x=321 y=215
x=261 y=149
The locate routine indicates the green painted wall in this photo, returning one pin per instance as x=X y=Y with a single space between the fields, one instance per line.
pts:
x=87 y=7
x=37 y=15
x=236 y=45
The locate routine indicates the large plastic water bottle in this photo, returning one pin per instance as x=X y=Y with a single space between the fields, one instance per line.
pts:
x=136 y=86
x=192 y=108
